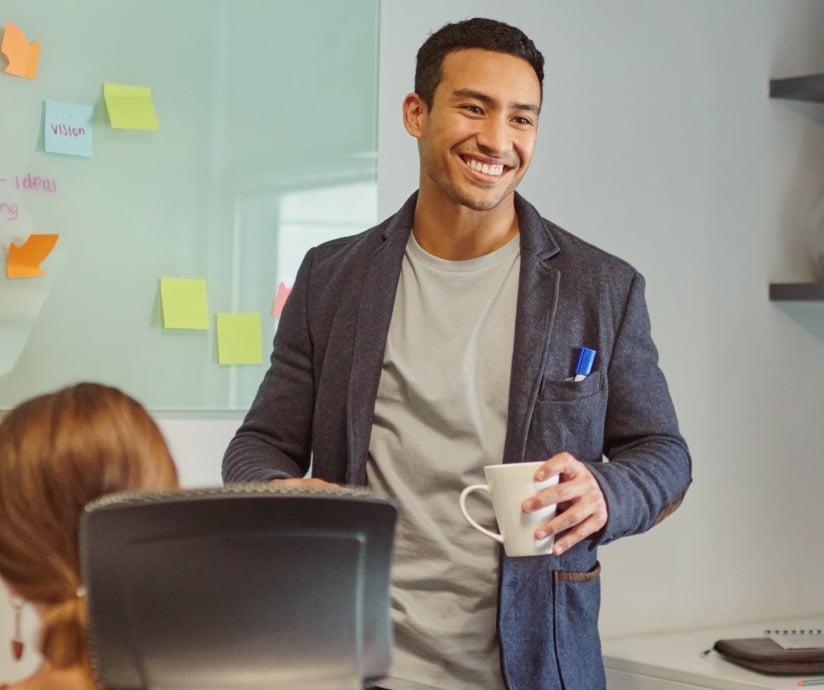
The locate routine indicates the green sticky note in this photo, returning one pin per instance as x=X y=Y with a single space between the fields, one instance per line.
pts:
x=239 y=339
x=130 y=107
x=184 y=303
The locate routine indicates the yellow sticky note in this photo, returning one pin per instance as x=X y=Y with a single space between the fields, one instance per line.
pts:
x=22 y=55
x=239 y=339
x=184 y=303
x=24 y=261
x=130 y=107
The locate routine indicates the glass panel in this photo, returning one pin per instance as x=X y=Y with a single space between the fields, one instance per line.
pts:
x=268 y=128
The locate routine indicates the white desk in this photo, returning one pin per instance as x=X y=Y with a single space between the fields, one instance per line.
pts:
x=673 y=661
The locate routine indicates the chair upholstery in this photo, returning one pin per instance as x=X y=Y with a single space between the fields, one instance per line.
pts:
x=244 y=587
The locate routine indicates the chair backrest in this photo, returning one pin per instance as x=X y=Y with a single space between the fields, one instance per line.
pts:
x=242 y=587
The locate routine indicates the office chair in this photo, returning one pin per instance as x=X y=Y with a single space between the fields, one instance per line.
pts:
x=242 y=588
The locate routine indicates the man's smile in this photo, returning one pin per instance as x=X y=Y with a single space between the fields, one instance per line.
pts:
x=491 y=169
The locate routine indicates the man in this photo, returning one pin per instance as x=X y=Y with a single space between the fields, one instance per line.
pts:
x=410 y=356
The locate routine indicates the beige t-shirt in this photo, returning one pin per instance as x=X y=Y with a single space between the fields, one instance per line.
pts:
x=440 y=416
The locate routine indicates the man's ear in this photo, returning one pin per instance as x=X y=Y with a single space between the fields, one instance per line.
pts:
x=414 y=111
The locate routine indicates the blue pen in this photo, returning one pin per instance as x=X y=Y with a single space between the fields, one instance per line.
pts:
x=583 y=367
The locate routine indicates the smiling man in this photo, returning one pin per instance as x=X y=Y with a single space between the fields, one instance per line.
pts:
x=444 y=339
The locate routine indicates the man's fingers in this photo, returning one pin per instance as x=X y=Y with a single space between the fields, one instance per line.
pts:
x=573 y=536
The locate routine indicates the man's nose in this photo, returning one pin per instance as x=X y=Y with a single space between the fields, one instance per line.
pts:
x=493 y=137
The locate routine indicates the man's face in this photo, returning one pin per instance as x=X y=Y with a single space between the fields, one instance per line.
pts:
x=477 y=139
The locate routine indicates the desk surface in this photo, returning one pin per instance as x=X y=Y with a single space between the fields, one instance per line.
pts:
x=677 y=657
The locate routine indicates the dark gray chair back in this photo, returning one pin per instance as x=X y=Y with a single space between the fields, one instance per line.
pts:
x=245 y=587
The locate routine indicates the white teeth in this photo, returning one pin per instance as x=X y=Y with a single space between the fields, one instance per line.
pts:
x=485 y=168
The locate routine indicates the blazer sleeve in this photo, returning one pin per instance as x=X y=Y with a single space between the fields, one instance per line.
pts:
x=648 y=468
x=274 y=441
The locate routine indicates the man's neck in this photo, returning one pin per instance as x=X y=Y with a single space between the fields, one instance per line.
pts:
x=458 y=233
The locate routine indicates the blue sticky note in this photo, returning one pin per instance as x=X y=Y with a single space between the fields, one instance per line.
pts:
x=68 y=129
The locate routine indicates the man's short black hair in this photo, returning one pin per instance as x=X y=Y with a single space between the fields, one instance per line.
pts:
x=487 y=34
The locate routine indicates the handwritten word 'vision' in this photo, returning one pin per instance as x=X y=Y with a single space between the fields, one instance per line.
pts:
x=8 y=210
x=67 y=131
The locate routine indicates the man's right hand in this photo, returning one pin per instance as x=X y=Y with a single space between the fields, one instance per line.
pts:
x=312 y=483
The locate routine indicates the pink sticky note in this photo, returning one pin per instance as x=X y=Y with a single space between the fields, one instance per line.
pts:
x=280 y=300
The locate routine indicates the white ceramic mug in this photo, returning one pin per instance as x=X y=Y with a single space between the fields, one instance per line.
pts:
x=509 y=485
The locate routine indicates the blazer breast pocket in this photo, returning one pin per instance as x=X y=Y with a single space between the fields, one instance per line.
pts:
x=569 y=416
x=570 y=391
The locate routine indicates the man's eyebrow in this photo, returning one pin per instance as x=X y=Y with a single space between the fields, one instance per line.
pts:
x=489 y=100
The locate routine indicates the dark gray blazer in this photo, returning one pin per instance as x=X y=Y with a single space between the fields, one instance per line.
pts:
x=318 y=398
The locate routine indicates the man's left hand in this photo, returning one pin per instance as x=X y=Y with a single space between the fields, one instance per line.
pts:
x=582 y=509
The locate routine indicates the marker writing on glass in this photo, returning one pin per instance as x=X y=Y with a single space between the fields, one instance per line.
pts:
x=583 y=367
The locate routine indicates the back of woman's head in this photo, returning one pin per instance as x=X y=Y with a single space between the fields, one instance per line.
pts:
x=58 y=452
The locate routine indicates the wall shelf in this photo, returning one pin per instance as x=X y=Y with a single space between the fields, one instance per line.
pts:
x=797 y=292
x=807 y=88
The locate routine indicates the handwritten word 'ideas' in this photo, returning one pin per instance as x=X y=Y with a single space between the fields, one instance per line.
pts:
x=32 y=182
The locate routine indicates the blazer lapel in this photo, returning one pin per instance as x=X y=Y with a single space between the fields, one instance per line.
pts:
x=537 y=302
x=371 y=329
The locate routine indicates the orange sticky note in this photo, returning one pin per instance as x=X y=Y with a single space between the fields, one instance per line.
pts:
x=24 y=261
x=22 y=56
x=280 y=300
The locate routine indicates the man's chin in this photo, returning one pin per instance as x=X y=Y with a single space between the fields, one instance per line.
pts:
x=483 y=203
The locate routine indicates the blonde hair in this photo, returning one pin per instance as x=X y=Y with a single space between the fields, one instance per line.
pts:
x=58 y=452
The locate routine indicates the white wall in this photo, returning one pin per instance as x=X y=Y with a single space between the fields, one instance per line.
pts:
x=658 y=142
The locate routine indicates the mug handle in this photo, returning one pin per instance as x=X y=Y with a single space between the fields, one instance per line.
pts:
x=468 y=490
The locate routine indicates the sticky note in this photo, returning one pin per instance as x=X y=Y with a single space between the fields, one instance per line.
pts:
x=239 y=339
x=280 y=300
x=22 y=56
x=24 y=261
x=68 y=129
x=130 y=107
x=184 y=303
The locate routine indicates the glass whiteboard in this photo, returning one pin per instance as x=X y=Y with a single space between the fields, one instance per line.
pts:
x=267 y=115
